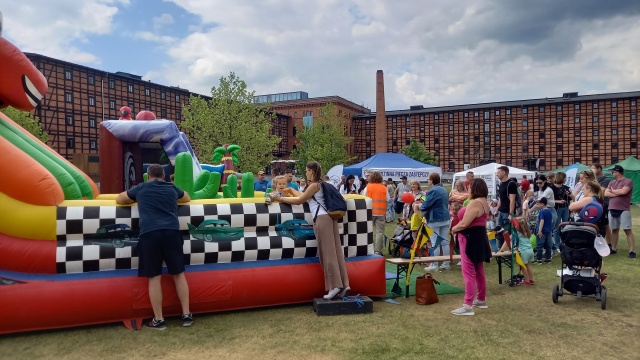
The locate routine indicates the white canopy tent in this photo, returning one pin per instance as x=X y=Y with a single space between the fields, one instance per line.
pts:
x=488 y=173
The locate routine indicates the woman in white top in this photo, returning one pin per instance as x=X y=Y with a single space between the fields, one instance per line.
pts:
x=586 y=176
x=325 y=228
x=349 y=187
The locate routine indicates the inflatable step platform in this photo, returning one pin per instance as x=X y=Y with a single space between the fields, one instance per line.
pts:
x=347 y=305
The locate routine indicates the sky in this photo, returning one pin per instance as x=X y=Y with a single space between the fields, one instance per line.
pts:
x=433 y=53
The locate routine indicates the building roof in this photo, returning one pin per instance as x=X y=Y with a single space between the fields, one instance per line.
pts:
x=568 y=98
x=119 y=74
x=322 y=99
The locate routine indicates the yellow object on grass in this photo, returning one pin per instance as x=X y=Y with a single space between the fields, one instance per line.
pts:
x=27 y=221
x=519 y=260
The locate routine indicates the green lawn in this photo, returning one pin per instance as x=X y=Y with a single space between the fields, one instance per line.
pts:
x=521 y=322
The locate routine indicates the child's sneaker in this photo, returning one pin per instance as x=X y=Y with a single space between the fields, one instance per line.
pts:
x=157 y=324
x=187 y=320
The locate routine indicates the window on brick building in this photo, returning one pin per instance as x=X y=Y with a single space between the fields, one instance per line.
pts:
x=112 y=84
x=451 y=139
x=525 y=136
x=614 y=104
x=508 y=124
x=559 y=147
x=634 y=144
x=147 y=91
x=92 y=122
x=436 y=116
x=466 y=126
x=634 y=130
x=68 y=75
x=577 y=147
x=465 y=151
x=542 y=148
x=524 y=123
x=408 y=130
x=614 y=159
x=177 y=97
x=595 y=146
x=508 y=149
x=408 y=142
x=634 y=117
x=422 y=129
x=559 y=162
x=163 y=113
x=92 y=101
x=541 y=122
x=614 y=131
x=497 y=112
x=436 y=140
x=541 y=109
x=576 y=120
x=558 y=121
x=466 y=114
x=509 y=163
x=559 y=134
x=596 y=132
x=450 y=127
x=508 y=111
x=508 y=137
x=93 y=144
x=163 y=95
x=525 y=110
x=393 y=131
x=112 y=104
x=129 y=88
x=614 y=145
x=558 y=107
x=68 y=97
x=436 y=128
x=394 y=143
x=577 y=133
x=595 y=119
x=91 y=79
x=450 y=115
x=71 y=144
x=633 y=102
x=614 y=117
x=487 y=127
x=69 y=120
x=476 y=138
x=487 y=115
x=451 y=152
x=595 y=105
x=525 y=149
x=541 y=135
x=421 y=117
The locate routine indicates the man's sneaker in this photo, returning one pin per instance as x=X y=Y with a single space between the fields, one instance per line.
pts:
x=632 y=254
x=613 y=251
x=463 y=310
x=538 y=262
x=480 y=304
x=546 y=261
x=432 y=267
x=187 y=320
x=157 y=324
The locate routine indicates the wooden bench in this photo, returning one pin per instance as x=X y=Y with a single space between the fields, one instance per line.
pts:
x=402 y=265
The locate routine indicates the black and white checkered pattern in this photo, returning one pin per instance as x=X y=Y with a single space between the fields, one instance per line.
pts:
x=261 y=242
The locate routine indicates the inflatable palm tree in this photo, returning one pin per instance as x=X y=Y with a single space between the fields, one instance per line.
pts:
x=227 y=155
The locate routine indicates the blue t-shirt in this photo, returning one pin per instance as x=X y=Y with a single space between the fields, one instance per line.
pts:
x=293 y=185
x=157 y=205
x=545 y=214
x=261 y=185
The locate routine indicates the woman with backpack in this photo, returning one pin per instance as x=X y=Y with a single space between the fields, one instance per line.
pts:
x=325 y=228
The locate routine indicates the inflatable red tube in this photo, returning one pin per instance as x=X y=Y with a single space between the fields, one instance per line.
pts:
x=103 y=297
x=27 y=255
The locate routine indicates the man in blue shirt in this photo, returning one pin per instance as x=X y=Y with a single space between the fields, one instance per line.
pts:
x=261 y=184
x=544 y=230
x=160 y=240
x=290 y=184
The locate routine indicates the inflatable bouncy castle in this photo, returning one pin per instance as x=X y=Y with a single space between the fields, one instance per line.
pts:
x=68 y=254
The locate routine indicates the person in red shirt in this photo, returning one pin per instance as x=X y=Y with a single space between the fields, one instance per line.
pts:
x=524 y=184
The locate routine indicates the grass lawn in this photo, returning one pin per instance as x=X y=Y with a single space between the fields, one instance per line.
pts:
x=521 y=322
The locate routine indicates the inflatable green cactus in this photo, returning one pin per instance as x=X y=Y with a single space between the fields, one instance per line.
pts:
x=206 y=184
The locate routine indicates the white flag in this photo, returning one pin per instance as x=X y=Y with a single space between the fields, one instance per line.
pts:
x=335 y=174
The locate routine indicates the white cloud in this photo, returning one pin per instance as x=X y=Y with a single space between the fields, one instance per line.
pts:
x=437 y=53
x=149 y=36
x=51 y=28
x=162 y=20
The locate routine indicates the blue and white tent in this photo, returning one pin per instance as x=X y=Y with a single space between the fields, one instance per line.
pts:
x=394 y=166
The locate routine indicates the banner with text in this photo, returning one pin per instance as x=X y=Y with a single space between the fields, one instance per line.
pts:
x=420 y=174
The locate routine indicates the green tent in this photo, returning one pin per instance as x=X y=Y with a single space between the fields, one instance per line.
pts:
x=631 y=167
x=581 y=167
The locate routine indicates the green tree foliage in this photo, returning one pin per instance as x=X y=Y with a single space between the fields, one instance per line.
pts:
x=325 y=141
x=419 y=152
x=28 y=122
x=231 y=117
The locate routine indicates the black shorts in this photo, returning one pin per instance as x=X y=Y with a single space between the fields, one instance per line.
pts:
x=399 y=207
x=157 y=246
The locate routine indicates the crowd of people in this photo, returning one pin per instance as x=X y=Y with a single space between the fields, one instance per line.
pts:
x=464 y=213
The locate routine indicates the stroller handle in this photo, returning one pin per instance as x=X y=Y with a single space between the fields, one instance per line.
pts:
x=579 y=223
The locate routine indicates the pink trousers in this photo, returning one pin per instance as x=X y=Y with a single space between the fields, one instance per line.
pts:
x=474 y=280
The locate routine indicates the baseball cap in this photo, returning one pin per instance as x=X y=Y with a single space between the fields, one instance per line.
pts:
x=260 y=172
x=542 y=200
x=403 y=178
x=618 y=168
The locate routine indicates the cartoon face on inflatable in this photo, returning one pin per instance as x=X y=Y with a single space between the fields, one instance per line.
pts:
x=125 y=113
x=21 y=84
x=591 y=213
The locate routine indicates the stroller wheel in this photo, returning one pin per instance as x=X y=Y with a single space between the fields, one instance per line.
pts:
x=579 y=294
x=603 y=298
x=554 y=293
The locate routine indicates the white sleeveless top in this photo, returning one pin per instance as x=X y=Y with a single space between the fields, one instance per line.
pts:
x=313 y=204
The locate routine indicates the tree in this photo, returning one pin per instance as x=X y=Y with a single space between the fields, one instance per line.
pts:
x=28 y=122
x=324 y=141
x=231 y=117
x=419 y=152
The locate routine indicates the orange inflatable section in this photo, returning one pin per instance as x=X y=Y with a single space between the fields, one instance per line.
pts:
x=24 y=179
x=94 y=187
x=83 y=299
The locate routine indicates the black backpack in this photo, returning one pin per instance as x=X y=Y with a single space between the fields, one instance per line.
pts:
x=334 y=203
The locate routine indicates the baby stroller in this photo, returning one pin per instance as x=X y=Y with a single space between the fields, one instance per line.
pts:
x=583 y=262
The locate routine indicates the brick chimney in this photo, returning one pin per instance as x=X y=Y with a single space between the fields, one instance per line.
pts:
x=381 y=117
